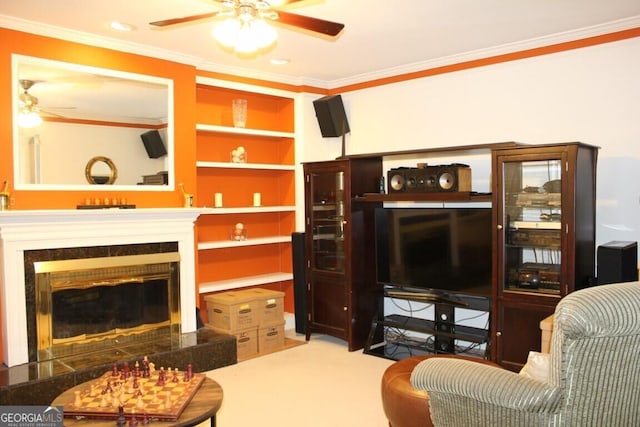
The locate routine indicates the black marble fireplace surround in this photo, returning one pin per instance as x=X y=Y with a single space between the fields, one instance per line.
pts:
x=38 y=383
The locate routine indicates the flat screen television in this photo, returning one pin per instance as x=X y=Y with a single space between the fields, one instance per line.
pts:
x=439 y=250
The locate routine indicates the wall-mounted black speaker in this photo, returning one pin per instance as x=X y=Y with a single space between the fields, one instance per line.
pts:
x=617 y=262
x=331 y=116
x=153 y=144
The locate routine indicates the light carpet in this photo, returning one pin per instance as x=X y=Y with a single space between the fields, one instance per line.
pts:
x=318 y=384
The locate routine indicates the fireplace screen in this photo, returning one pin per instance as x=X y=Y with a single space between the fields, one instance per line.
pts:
x=86 y=305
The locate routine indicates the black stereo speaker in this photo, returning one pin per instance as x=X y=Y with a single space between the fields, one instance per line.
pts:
x=153 y=144
x=617 y=262
x=331 y=116
x=431 y=179
x=299 y=281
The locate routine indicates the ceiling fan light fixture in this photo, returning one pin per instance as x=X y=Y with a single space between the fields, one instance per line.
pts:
x=246 y=33
x=265 y=34
x=29 y=119
x=226 y=32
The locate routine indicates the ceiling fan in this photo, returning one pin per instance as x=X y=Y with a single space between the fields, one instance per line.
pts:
x=29 y=106
x=26 y=100
x=262 y=9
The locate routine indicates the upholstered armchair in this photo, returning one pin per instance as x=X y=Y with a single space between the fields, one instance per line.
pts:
x=593 y=377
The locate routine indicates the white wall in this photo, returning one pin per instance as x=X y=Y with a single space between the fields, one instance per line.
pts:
x=65 y=150
x=591 y=95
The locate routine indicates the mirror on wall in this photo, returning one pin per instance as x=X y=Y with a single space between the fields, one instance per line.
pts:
x=67 y=114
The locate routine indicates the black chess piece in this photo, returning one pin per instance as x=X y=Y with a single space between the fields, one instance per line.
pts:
x=122 y=421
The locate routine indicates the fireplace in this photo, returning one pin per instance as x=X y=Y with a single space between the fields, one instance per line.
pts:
x=99 y=233
x=88 y=305
x=31 y=237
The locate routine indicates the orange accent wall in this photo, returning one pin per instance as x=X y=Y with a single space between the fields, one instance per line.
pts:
x=15 y=42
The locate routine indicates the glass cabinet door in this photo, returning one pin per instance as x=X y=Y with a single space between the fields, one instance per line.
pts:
x=327 y=221
x=532 y=212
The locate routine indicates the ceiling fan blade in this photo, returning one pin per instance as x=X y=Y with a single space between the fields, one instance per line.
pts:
x=283 y=2
x=175 y=21
x=311 y=24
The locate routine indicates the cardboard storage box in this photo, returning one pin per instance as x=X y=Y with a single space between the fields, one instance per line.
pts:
x=270 y=337
x=246 y=340
x=232 y=311
x=269 y=304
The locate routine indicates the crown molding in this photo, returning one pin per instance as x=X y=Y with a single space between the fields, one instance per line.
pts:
x=567 y=36
x=199 y=63
x=81 y=37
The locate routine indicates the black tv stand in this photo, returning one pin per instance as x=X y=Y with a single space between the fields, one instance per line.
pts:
x=390 y=337
x=424 y=296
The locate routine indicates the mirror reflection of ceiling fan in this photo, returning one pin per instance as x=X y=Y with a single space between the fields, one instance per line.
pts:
x=29 y=108
x=246 y=13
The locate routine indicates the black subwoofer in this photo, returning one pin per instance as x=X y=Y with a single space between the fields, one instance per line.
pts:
x=617 y=262
x=299 y=281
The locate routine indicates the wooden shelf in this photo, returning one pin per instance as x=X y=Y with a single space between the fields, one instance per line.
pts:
x=249 y=166
x=249 y=242
x=424 y=197
x=243 y=131
x=241 y=282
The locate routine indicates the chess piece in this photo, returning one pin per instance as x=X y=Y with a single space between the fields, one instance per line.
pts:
x=175 y=376
x=114 y=370
x=146 y=373
x=122 y=421
x=94 y=391
x=161 y=378
x=167 y=401
x=77 y=401
x=140 y=402
x=133 y=421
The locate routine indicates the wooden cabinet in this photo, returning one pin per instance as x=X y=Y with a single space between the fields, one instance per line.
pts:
x=256 y=190
x=544 y=215
x=339 y=245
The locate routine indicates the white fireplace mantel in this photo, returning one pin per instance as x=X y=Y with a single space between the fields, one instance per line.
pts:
x=52 y=229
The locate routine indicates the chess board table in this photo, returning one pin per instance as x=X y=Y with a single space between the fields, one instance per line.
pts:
x=204 y=405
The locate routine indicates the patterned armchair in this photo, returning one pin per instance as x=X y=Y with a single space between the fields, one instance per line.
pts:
x=593 y=377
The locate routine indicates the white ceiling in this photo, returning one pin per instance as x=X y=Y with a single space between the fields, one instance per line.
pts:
x=380 y=37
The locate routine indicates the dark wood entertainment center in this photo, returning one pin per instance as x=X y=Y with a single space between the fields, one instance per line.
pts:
x=543 y=203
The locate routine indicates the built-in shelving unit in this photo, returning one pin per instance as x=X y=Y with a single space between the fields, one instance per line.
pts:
x=263 y=256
